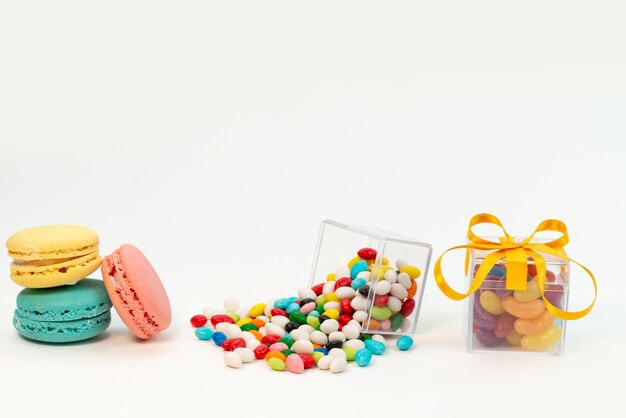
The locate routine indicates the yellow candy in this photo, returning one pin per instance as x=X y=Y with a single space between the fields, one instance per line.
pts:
x=412 y=271
x=331 y=277
x=385 y=261
x=244 y=321
x=332 y=313
x=354 y=261
x=331 y=297
x=376 y=269
x=491 y=302
x=543 y=340
x=531 y=293
x=257 y=310
x=534 y=325
x=514 y=338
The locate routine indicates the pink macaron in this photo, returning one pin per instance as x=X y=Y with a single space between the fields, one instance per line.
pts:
x=136 y=292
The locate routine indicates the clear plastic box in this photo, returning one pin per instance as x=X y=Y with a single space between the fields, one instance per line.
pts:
x=506 y=321
x=390 y=304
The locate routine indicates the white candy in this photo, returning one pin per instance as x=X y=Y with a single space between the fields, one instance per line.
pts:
x=380 y=338
x=233 y=331
x=302 y=347
x=247 y=355
x=337 y=336
x=263 y=318
x=394 y=303
x=399 y=291
x=245 y=313
x=359 y=303
x=328 y=326
x=233 y=360
x=338 y=365
x=329 y=287
x=345 y=292
x=306 y=293
x=324 y=362
x=247 y=335
x=306 y=328
x=231 y=305
x=360 y=316
x=401 y=263
x=391 y=276
x=337 y=352
x=343 y=271
x=405 y=280
x=263 y=331
x=383 y=287
x=274 y=329
x=298 y=334
x=351 y=331
x=222 y=326
x=268 y=308
x=355 y=323
x=406 y=325
x=318 y=337
x=208 y=312
x=331 y=305
x=279 y=320
x=367 y=275
x=252 y=344
x=356 y=344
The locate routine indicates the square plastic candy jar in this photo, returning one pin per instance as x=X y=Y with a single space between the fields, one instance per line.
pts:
x=369 y=275
x=502 y=320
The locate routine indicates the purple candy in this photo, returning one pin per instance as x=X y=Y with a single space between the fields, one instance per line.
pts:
x=482 y=318
x=501 y=291
x=554 y=294
x=487 y=337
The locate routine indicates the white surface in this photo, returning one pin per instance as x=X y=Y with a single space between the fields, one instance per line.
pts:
x=217 y=137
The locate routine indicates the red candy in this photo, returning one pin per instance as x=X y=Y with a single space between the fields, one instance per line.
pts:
x=345 y=306
x=407 y=307
x=232 y=343
x=278 y=312
x=308 y=360
x=532 y=270
x=550 y=277
x=216 y=319
x=343 y=282
x=261 y=351
x=381 y=300
x=318 y=288
x=367 y=253
x=270 y=339
x=344 y=319
x=198 y=321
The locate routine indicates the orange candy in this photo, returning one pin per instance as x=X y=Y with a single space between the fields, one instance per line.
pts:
x=316 y=345
x=412 y=289
x=275 y=354
x=256 y=334
x=258 y=323
x=371 y=324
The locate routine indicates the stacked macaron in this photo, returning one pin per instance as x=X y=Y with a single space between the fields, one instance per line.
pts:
x=60 y=304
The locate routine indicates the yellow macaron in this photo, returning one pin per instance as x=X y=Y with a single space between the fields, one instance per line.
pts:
x=54 y=255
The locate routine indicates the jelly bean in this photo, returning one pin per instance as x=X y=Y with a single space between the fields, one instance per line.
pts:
x=366 y=275
x=331 y=305
x=308 y=360
x=345 y=306
x=364 y=291
x=504 y=325
x=514 y=338
x=231 y=305
x=274 y=329
x=302 y=346
x=318 y=337
x=385 y=324
x=486 y=337
x=232 y=343
x=531 y=293
x=381 y=300
x=383 y=287
x=497 y=271
x=294 y=363
x=354 y=343
x=306 y=293
x=399 y=291
x=337 y=336
x=248 y=327
x=350 y=353
x=297 y=317
x=394 y=304
x=257 y=335
x=412 y=290
x=305 y=301
x=408 y=306
x=367 y=253
x=216 y=319
x=554 y=294
x=490 y=302
x=338 y=365
x=243 y=321
x=247 y=355
x=324 y=362
x=334 y=344
x=381 y=313
x=534 y=325
x=275 y=354
x=307 y=308
x=378 y=272
x=351 y=331
x=346 y=281
x=257 y=310
x=198 y=321
x=258 y=322
x=532 y=270
x=235 y=316
x=543 y=340
x=278 y=312
x=322 y=350
x=345 y=292
x=290 y=326
x=405 y=280
x=500 y=289
x=391 y=276
x=281 y=303
x=233 y=360
x=396 y=321
x=376 y=347
x=371 y=325
x=204 y=334
x=360 y=316
x=550 y=276
x=313 y=321
x=317 y=289
x=358 y=283
x=344 y=319
x=523 y=309
x=270 y=339
x=277 y=364
x=355 y=260
x=332 y=313
x=404 y=343
x=219 y=338
x=278 y=347
x=293 y=307
x=481 y=317
x=363 y=357
x=357 y=268
x=332 y=297
x=412 y=271
x=261 y=351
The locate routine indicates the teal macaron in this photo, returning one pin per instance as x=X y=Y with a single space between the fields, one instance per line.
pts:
x=63 y=314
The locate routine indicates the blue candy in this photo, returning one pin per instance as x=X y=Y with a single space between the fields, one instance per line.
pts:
x=204 y=334
x=376 y=347
x=497 y=271
x=363 y=357
x=404 y=343
x=293 y=307
x=314 y=313
x=357 y=268
x=293 y=299
x=281 y=303
x=321 y=350
x=358 y=283
x=219 y=338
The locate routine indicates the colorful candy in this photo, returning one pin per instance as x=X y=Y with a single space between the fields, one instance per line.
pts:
x=404 y=343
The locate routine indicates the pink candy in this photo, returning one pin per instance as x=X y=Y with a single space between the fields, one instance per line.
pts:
x=295 y=363
x=308 y=307
x=278 y=347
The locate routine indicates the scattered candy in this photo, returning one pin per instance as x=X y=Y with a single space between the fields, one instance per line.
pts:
x=204 y=333
x=233 y=360
x=404 y=343
x=198 y=321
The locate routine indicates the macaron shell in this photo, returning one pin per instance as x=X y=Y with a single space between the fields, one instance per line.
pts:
x=36 y=276
x=52 y=242
x=136 y=292
x=64 y=331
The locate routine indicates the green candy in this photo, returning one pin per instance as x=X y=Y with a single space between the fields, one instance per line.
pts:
x=317 y=356
x=277 y=364
x=367 y=337
x=287 y=352
x=320 y=301
x=313 y=321
x=235 y=316
x=298 y=317
x=288 y=341
x=381 y=313
x=320 y=309
x=396 y=321
x=350 y=353
x=249 y=327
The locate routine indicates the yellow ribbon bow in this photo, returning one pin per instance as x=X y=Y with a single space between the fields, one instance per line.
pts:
x=516 y=253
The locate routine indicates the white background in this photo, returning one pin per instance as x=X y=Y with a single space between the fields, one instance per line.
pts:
x=216 y=137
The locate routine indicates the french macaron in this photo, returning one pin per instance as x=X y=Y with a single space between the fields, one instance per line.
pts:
x=136 y=292
x=63 y=314
x=53 y=255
